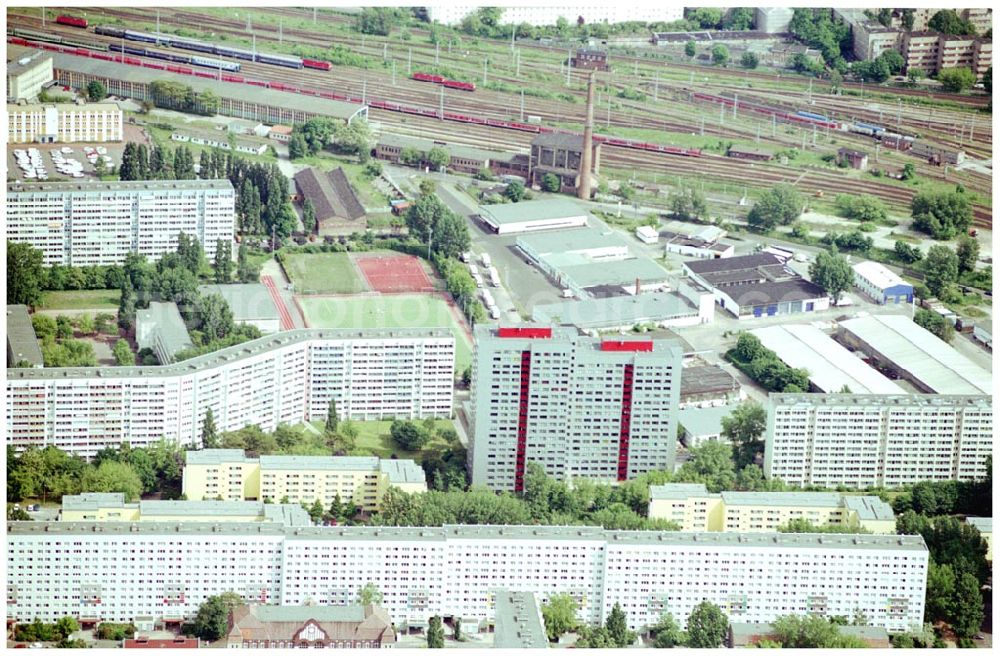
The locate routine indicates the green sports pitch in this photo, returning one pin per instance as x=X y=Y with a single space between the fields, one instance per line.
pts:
x=396 y=311
x=324 y=273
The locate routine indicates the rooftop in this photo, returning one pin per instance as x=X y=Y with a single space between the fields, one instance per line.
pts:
x=331 y=463
x=882 y=400
x=706 y=378
x=879 y=274
x=678 y=491
x=532 y=210
x=749 y=150
x=216 y=456
x=93 y=501
x=921 y=354
x=153 y=508
x=740 y=263
x=249 y=302
x=28 y=60
x=281 y=623
x=104 y=187
x=455 y=150
x=483 y=532
x=830 y=365
x=22 y=343
x=982 y=524
x=869 y=507
x=518 y=621
x=221 y=357
x=331 y=194
x=163 y=319
x=703 y=421
x=233 y=90
x=560 y=140
x=615 y=310
x=806 y=499
x=759 y=293
x=402 y=471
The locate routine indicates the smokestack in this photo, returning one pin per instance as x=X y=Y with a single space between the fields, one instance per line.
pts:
x=586 y=162
x=638 y=287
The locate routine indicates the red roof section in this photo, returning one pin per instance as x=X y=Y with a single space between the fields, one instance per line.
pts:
x=529 y=333
x=161 y=643
x=618 y=345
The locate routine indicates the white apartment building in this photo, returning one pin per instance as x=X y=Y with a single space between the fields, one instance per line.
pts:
x=860 y=440
x=77 y=224
x=280 y=379
x=64 y=123
x=540 y=16
x=578 y=406
x=28 y=75
x=116 y=571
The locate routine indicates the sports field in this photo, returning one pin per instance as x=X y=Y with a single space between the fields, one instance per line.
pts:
x=323 y=273
x=392 y=311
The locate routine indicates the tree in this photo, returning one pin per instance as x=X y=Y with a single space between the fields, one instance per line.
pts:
x=435 y=633
x=64 y=327
x=24 y=274
x=438 y=157
x=940 y=269
x=245 y=271
x=451 y=234
x=720 y=55
x=409 y=435
x=967 y=606
x=935 y=323
x=514 y=191
x=209 y=433
x=832 y=272
x=707 y=18
x=559 y=614
x=706 y=626
x=744 y=428
x=710 y=463
x=212 y=619
x=297 y=147
x=410 y=156
x=594 y=638
x=551 y=182
x=894 y=61
x=316 y=132
x=423 y=215
x=100 y=167
x=369 y=594
x=740 y=18
x=124 y=356
x=617 y=626
x=863 y=208
x=956 y=80
x=223 y=264
x=688 y=204
x=111 y=476
x=308 y=215
x=795 y=632
x=779 y=205
x=940 y=595
x=666 y=633
x=96 y=91
x=331 y=416
x=749 y=60
x=947 y=21
x=967 y=252
x=906 y=253
x=690 y=49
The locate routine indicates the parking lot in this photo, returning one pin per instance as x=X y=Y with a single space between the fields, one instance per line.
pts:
x=49 y=156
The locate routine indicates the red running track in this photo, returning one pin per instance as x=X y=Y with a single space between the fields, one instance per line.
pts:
x=286 y=317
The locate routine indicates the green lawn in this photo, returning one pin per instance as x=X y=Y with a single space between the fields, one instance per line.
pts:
x=403 y=311
x=374 y=439
x=323 y=273
x=81 y=300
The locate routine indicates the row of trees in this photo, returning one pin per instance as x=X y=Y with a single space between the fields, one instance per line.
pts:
x=765 y=367
x=315 y=134
x=140 y=163
x=58 y=632
x=181 y=97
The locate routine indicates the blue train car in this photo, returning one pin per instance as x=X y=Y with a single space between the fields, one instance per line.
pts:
x=817 y=117
x=238 y=53
x=208 y=62
x=279 y=60
x=874 y=128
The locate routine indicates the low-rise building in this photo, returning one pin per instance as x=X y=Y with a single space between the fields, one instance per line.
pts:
x=251 y=304
x=64 y=123
x=518 y=622
x=590 y=58
x=700 y=425
x=221 y=141
x=746 y=152
x=853 y=158
x=161 y=328
x=936 y=154
x=464 y=159
x=881 y=284
x=361 y=480
x=145 y=642
x=708 y=385
x=280 y=133
x=304 y=627
x=533 y=215
x=333 y=198
x=560 y=154
x=112 y=507
x=694 y=508
x=22 y=343
x=862 y=440
x=688 y=306
x=28 y=74
x=985 y=527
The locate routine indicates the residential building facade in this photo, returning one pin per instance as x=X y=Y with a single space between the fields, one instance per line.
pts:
x=123 y=570
x=101 y=223
x=932 y=51
x=281 y=379
x=862 y=440
x=28 y=75
x=694 y=508
x=230 y=474
x=64 y=123
x=578 y=406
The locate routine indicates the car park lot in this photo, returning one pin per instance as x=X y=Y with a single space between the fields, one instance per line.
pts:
x=59 y=162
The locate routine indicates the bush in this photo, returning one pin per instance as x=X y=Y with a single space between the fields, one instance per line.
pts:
x=409 y=435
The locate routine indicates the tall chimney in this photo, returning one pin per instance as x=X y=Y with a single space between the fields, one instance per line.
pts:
x=586 y=162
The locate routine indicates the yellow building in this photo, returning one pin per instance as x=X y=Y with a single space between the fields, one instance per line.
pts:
x=231 y=475
x=111 y=507
x=694 y=508
x=985 y=527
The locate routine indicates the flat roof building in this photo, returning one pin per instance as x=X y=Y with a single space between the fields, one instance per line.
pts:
x=862 y=440
x=28 y=72
x=919 y=356
x=22 y=343
x=462 y=158
x=251 y=303
x=161 y=328
x=685 y=307
x=694 y=508
x=534 y=399
x=460 y=570
x=64 y=123
x=831 y=367
x=285 y=378
x=518 y=622
x=100 y=223
x=531 y=215
x=708 y=385
x=700 y=425
x=881 y=284
x=112 y=507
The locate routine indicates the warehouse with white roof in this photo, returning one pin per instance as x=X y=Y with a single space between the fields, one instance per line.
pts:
x=916 y=354
x=881 y=284
x=528 y=216
x=831 y=367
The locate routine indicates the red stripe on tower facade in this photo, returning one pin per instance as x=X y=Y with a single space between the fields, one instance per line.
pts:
x=522 y=421
x=626 y=422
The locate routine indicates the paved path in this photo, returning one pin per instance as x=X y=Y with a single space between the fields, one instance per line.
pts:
x=286 y=317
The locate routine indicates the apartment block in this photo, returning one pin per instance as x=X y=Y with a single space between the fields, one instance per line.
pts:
x=578 y=406
x=122 y=570
x=28 y=75
x=231 y=475
x=100 y=223
x=860 y=440
x=64 y=123
x=111 y=507
x=694 y=508
x=931 y=51
x=280 y=379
